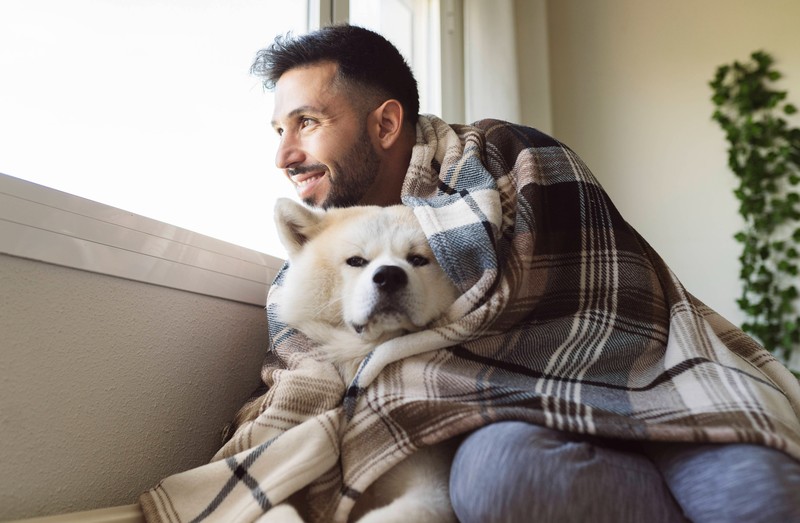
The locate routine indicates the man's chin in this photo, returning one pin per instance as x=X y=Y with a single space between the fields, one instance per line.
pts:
x=340 y=199
x=311 y=201
x=318 y=196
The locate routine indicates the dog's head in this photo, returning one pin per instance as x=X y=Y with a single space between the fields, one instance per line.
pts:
x=368 y=269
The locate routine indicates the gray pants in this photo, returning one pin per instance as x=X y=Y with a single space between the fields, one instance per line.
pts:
x=514 y=472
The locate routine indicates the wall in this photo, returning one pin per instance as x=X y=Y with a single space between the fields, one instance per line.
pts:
x=629 y=84
x=109 y=385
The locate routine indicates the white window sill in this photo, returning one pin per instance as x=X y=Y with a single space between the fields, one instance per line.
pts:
x=47 y=225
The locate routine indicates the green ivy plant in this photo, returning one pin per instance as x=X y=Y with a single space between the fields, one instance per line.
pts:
x=764 y=154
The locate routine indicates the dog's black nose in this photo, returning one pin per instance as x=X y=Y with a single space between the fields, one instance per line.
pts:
x=389 y=278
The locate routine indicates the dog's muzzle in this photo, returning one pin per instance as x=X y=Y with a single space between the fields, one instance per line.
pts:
x=385 y=304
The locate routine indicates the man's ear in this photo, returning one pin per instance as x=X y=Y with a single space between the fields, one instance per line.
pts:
x=296 y=224
x=388 y=122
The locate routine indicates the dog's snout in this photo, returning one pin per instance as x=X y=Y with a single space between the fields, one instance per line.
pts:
x=389 y=278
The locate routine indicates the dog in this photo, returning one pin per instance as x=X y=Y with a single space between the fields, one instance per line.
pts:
x=357 y=277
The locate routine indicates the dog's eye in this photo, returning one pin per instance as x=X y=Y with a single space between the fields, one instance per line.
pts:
x=356 y=261
x=417 y=261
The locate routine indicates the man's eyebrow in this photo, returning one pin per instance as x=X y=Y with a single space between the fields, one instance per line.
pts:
x=298 y=111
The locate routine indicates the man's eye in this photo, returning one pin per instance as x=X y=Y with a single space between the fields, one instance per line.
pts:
x=356 y=261
x=305 y=122
x=279 y=131
x=417 y=260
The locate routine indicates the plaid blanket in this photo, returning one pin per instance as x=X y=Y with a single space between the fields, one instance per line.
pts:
x=568 y=319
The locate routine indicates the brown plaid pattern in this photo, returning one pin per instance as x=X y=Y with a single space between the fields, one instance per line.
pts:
x=568 y=319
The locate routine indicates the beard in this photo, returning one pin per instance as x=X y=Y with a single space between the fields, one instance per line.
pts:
x=355 y=174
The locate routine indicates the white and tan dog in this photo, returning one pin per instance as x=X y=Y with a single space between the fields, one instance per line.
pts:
x=357 y=277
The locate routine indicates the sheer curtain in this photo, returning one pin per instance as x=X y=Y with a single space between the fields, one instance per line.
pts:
x=491 y=80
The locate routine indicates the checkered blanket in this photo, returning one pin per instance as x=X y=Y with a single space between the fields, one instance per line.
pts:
x=568 y=319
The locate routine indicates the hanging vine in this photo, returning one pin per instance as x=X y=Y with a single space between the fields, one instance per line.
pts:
x=764 y=154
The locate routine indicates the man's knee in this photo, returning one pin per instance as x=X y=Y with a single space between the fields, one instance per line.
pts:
x=510 y=470
x=733 y=482
x=491 y=469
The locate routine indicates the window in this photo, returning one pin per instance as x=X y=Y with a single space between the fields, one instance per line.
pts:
x=147 y=106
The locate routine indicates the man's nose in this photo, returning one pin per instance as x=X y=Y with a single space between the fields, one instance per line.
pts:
x=289 y=152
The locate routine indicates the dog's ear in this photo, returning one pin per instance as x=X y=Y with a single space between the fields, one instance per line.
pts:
x=296 y=224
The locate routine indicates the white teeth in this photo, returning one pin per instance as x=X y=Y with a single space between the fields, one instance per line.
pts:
x=308 y=180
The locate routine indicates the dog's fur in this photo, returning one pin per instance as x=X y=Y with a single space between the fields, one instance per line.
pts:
x=357 y=277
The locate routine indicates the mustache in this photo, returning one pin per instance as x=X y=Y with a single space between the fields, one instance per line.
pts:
x=303 y=169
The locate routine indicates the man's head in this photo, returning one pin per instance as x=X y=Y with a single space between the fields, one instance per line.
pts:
x=346 y=106
x=369 y=66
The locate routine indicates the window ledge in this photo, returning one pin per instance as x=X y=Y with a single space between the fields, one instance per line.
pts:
x=47 y=225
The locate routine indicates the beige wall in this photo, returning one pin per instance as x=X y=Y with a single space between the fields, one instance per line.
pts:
x=629 y=84
x=109 y=385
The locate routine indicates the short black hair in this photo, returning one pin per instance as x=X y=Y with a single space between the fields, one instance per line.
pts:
x=364 y=58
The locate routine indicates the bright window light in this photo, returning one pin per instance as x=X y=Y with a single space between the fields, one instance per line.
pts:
x=148 y=106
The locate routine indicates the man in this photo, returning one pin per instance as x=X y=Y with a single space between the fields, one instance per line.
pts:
x=588 y=385
x=346 y=111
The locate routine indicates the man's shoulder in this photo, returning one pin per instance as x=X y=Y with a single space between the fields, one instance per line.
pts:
x=502 y=132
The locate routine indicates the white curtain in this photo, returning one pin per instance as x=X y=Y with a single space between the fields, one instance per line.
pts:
x=490 y=61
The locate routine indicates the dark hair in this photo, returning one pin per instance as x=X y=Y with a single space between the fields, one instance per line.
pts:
x=365 y=59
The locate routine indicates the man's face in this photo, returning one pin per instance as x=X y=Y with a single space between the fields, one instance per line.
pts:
x=325 y=149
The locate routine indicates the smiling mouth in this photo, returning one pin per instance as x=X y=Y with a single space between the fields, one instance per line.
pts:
x=304 y=172
x=303 y=181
